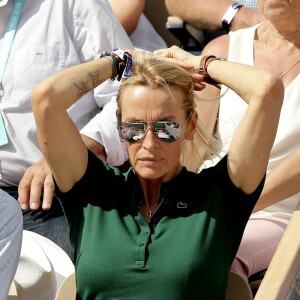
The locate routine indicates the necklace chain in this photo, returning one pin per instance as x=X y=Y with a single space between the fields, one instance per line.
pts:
x=149 y=211
x=267 y=59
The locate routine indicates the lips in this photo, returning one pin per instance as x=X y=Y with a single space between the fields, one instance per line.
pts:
x=152 y=159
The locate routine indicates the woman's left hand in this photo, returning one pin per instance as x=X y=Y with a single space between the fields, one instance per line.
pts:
x=177 y=56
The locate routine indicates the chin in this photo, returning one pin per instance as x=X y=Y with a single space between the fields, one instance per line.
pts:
x=149 y=173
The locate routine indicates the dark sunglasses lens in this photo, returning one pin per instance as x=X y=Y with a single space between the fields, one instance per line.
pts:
x=132 y=131
x=167 y=131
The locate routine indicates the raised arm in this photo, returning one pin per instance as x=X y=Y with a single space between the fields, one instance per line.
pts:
x=252 y=142
x=282 y=181
x=60 y=141
x=207 y=15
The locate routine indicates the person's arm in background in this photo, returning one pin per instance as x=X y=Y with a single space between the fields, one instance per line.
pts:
x=38 y=178
x=282 y=182
x=207 y=15
x=128 y=12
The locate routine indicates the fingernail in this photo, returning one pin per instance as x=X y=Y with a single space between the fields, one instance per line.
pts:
x=46 y=206
x=23 y=206
x=34 y=205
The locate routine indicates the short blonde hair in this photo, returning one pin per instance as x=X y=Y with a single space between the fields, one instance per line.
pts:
x=154 y=73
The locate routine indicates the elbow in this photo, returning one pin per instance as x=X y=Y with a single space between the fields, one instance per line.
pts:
x=271 y=89
x=40 y=98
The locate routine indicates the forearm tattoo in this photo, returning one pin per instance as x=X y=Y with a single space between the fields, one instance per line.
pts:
x=85 y=82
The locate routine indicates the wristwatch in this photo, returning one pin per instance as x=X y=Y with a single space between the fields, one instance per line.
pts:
x=229 y=15
x=204 y=62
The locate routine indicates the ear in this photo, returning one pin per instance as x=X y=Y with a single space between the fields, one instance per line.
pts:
x=192 y=125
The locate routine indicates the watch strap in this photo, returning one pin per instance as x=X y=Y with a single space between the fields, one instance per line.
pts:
x=229 y=15
x=204 y=62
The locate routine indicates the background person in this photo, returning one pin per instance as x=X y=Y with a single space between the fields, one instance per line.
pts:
x=261 y=46
x=141 y=32
x=151 y=209
x=208 y=15
x=86 y=28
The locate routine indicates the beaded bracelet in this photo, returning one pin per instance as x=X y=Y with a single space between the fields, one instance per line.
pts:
x=121 y=63
x=204 y=62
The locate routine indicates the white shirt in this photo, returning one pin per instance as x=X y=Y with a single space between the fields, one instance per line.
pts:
x=11 y=228
x=248 y=3
x=233 y=108
x=52 y=35
x=145 y=37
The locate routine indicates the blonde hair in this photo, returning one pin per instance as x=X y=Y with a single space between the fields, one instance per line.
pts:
x=155 y=73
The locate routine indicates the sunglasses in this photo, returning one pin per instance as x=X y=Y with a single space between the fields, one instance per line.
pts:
x=166 y=131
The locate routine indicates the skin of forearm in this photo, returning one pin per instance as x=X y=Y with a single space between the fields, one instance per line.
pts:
x=198 y=13
x=244 y=86
x=128 y=13
x=209 y=16
x=282 y=182
x=50 y=100
x=84 y=78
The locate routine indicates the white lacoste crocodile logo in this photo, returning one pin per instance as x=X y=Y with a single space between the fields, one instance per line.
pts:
x=181 y=205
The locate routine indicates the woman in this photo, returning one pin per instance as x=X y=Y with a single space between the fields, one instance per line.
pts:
x=144 y=234
x=273 y=45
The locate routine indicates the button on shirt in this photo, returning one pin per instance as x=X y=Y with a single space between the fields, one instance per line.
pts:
x=52 y=35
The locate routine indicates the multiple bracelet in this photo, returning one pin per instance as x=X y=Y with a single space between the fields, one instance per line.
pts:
x=121 y=63
x=204 y=62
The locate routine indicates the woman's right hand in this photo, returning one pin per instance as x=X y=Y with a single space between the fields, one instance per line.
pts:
x=188 y=60
x=184 y=59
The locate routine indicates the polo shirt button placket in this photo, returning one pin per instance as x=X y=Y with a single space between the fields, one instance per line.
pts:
x=142 y=243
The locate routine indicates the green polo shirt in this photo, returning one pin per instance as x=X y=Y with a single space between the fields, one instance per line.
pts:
x=185 y=252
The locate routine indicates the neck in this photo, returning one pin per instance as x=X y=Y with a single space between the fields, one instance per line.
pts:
x=150 y=202
x=151 y=193
x=283 y=34
x=280 y=53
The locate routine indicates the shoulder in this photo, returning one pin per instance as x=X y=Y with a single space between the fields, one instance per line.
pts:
x=218 y=47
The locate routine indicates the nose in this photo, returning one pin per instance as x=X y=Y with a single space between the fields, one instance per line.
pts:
x=150 y=140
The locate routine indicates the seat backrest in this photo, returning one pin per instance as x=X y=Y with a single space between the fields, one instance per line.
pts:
x=67 y=290
x=191 y=39
x=238 y=288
